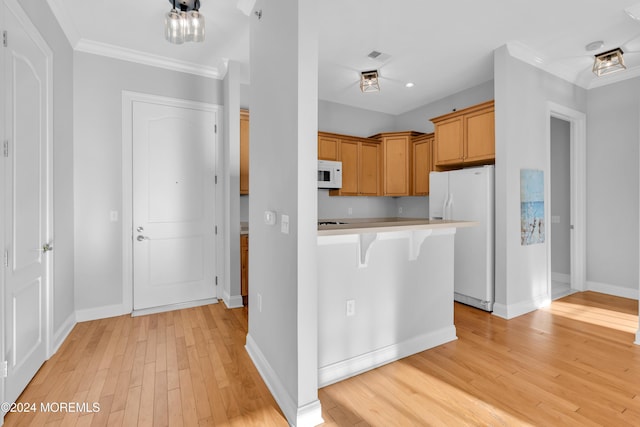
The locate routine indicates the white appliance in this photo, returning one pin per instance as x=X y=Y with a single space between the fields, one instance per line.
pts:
x=468 y=195
x=329 y=174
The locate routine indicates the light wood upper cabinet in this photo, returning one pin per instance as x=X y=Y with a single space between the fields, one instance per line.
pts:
x=465 y=137
x=369 y=177
x=480 y=134
x=349 y=155
x=397 y=162
x=360 y=159
x=244 y=152
x=422 y=163
x=449 y=146
x=328 y=147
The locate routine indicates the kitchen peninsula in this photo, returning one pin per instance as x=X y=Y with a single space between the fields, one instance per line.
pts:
x=385 y=291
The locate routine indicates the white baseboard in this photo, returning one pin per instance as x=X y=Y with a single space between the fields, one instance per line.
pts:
x=348 y=368
x=232 y=301
x=171 y=307
x=102 y=312
x=518 y=309
x=62 y=333
x=561 y=278
x=637 y=341
x=309 y=415
x=614 y=290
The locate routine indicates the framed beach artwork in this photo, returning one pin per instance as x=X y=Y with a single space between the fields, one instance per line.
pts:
x=532 y=226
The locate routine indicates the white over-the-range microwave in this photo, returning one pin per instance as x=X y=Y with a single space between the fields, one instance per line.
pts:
x=329 y=174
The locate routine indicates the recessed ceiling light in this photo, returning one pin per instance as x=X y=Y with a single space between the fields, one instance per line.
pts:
x=409 y=85
x=594 y=45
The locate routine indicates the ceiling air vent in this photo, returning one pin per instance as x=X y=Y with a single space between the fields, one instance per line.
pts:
x=378 y=57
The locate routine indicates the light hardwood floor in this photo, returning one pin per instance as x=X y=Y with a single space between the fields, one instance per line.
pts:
x=573 y=363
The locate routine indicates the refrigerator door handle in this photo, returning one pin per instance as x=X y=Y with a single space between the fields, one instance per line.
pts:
x=447 y=213
x=444 y=206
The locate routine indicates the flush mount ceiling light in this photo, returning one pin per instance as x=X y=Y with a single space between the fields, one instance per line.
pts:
x=608 y=62
x=369 y=81
x=186 y=25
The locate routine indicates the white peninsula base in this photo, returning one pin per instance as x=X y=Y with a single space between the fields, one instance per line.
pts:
x=398 y=284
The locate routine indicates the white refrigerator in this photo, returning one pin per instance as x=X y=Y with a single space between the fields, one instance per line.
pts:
x=468 y=195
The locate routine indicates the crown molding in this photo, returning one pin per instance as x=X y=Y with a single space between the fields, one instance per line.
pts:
x=64 y=20
x=524 y=53
x=131 y=55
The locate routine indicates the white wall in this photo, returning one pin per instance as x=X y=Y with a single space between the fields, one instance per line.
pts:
x=612 y=190
x=63 y=265
x=283 y=322
x=560 y=197
x=98 y=85
x=419 y=119
x=339 y=118
x=229 y=183
x=521 y=94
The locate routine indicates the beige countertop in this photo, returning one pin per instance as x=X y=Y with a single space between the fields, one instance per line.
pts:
x=376 y=225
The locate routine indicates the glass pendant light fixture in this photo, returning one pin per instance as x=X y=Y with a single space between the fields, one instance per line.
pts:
x=195 y=24
x=185 y=25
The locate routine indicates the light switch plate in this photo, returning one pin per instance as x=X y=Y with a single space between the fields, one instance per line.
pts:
x=284 y=224
x=269 y=217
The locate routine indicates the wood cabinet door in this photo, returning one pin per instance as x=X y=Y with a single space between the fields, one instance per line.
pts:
x=396 y=166
x=422 y=165
x=327 y=148
x=369 y=176
x=348 y=155
x=480 y=136
x=449 y=141
x=244 y=152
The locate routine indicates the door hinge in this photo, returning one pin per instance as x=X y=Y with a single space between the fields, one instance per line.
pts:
x=215 y=128
x=6 y=259
x=216 y=179
x=216 y=280
x=4 y=38
x=4 y=369
x=6 y=148
x=216 y=229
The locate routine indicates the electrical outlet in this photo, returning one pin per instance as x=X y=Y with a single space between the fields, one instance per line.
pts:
x=555 y=219
x=350 y=211
x=351 y=307
x=113 y=216
x=400 y=210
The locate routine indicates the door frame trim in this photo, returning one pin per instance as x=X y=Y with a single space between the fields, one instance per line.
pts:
x=44 y=48
x=578 y=176
x=128 y=98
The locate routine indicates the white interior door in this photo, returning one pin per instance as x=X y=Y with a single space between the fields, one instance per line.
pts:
x=26 y=209
x=173 y=205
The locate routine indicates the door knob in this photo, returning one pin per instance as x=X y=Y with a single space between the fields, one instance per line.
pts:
x=140 y=229
x=47 y=247
x=141 y=238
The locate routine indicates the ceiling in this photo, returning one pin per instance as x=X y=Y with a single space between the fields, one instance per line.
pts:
x=442 y=47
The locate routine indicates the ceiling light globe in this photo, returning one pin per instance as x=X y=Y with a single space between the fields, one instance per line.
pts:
x=174 y=27
x=195 y=26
